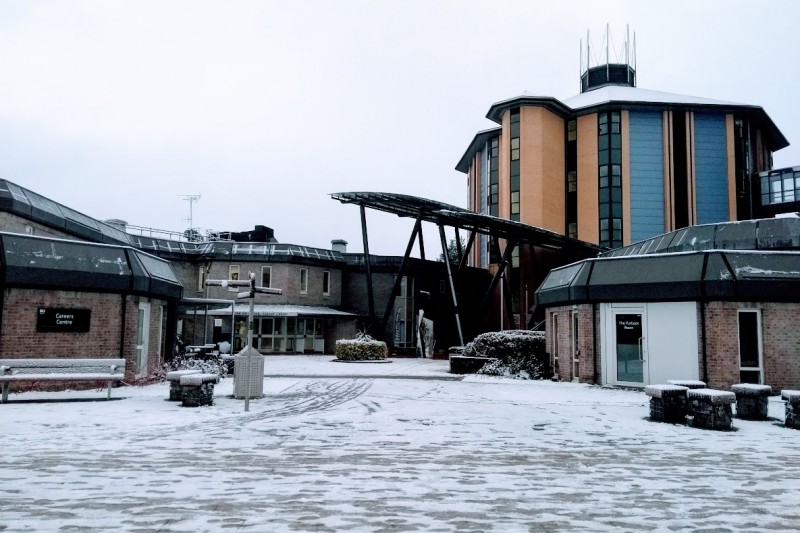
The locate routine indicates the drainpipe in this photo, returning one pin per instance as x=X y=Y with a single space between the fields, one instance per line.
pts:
x=704 y=353
x=123 y=310
x=594 y=340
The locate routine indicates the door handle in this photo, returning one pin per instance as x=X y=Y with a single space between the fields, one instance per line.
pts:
x=641 y=353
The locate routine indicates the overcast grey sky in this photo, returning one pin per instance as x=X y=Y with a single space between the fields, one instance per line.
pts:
x=116 y=108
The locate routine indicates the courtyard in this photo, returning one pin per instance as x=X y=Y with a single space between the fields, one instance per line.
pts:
x=400 y=446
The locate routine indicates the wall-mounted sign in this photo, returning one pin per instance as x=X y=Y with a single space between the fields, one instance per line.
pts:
x=50 y=319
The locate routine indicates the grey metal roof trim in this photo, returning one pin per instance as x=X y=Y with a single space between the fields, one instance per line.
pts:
x=475 y=146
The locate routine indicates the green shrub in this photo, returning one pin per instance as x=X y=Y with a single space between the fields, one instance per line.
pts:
x=518 y=353
x=362 y=348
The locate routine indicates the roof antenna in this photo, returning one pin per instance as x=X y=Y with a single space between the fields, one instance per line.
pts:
x=191 y=198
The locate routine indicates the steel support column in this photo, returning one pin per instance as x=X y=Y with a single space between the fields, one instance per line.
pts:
x=403 y=265
x=496 y=279
x=450 y=280
x=365 y=239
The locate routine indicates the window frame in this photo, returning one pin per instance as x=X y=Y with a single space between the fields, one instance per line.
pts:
x=266 y=269
x=234 y=269
x=303 y=281
x=326 y=282
x=759 y=343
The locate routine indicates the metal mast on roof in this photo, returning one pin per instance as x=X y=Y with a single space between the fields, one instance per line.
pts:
x=191 y=198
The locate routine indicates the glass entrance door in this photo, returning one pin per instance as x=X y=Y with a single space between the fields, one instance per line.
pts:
x=629 y=340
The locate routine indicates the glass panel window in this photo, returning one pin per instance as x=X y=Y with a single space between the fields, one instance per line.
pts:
x=233 y=272
x=749 y=333
x=266 y=276
x=326 y=282
x=303 y=281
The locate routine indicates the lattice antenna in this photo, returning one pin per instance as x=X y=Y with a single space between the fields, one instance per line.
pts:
x=191 y=198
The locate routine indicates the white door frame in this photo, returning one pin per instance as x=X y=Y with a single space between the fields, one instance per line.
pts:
x=142 y=338
x=610 y=375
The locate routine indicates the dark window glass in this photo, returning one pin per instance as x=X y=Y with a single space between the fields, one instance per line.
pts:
x=748 y=339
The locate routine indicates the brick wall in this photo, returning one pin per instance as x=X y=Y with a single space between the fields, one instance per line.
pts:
x=15 y=224
x=563 y=340
x=780 y=331
x=285 y=276
x=19 y=338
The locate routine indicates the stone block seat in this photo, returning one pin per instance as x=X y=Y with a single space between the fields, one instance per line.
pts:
x=198 y=389
x=668 y=403
x=688 y=383
x=792 y=399
x=711 y=409
x=752 y=400
x=174 y=378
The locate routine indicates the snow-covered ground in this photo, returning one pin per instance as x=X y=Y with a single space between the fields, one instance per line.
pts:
x=355 y=451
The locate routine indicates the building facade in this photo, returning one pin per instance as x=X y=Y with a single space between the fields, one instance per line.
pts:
x=617 y=164
x=718 y=303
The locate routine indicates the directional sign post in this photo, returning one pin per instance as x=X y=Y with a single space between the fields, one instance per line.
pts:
x=250 y=293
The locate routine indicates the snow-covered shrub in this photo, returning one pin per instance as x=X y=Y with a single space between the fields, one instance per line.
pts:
x=362 y=348
x=517 y=353
x=209 y=364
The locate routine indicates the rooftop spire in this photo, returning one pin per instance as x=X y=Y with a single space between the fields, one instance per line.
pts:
x=597 y=73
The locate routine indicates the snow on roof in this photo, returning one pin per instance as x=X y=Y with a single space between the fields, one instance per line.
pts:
x=276 y=310
x=616 y=93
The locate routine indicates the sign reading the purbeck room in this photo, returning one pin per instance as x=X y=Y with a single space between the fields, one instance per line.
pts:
x=50 y=319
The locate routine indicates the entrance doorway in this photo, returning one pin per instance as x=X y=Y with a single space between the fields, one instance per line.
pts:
x=649 y=343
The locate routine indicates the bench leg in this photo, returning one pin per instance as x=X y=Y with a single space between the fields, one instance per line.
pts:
x=5 y=391
x=108 y=397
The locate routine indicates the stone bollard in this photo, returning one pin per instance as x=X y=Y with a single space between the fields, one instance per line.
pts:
x=752 y=401
x=668 y=403
x=792 y=399
x=711 y=409
x=198 y=389
x=688 y=383
x=174 y=378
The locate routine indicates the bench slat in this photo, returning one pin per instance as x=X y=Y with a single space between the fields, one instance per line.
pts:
x=62 y=377
x=61 y=363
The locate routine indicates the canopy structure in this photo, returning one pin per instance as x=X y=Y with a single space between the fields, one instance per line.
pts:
x=446 y=215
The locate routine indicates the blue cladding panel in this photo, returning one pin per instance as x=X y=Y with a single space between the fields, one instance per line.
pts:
x=711 y=167
x=647 y=175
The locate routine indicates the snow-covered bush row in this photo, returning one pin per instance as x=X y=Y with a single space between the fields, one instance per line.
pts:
x=211 y=364
x=518 y=353
x=362 y=348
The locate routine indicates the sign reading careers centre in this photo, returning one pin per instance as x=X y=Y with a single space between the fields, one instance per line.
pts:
x=49 y=319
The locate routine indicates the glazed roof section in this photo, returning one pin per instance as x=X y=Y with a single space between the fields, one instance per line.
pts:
x=756 y=260
x=761 y=234
x=48 y=263
x=32 y=206
x=735 y=275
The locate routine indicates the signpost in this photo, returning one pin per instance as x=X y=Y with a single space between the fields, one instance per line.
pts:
x=251 y=294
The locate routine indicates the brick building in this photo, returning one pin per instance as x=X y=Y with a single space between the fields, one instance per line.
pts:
x=719 y=303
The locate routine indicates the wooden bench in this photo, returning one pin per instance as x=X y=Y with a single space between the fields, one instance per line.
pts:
x=14 y=370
